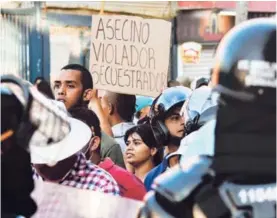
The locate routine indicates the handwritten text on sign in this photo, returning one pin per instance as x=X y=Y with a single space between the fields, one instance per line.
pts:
x=130 y=54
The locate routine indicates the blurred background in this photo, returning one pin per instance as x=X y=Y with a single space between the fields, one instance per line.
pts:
x=38 y=38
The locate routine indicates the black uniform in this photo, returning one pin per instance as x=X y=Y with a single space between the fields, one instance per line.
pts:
x=240 y=179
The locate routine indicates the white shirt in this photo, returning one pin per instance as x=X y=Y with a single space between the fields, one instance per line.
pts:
x=119 y=131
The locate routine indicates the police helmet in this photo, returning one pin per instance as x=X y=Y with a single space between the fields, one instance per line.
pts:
x=200 y=108
x=166 y=101
x=245 y=68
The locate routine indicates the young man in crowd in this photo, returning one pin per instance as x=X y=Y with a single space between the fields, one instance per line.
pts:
x=168 y=127
x=130 y=186
x=74 y=87
x=69 y=166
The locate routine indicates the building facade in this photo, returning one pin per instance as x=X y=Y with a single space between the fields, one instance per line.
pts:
x=206 y=22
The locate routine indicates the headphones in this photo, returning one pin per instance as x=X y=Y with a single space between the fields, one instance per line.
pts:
x=192 y=123
x=160 y=131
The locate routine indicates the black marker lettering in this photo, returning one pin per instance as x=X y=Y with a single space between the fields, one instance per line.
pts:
x=96 y=54
x=122 y=30
x=108 y=69
x=141 y=57
x=102 y=70
x=100 y=29
x=152 y=81
x=138 y=79
x=145 y=33
x=109 y=53
x=133 y=78
x=111 y=29
x=117 y=29
x=151 y=55
x=157 y=82
x=126 y=74
x=114 y=76
x=119 y=70
x=94 y=74
x=145 y=81
x=125 y=56
x=134 y=56
x=136 y=32
x=116 y=56
x=101 y=75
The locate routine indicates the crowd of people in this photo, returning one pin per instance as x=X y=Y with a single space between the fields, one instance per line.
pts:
x=144 y=148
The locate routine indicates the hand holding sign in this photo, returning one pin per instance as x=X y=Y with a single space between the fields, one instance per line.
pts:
x=130 y=54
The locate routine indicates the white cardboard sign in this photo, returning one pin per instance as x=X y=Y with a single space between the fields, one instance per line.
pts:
x=130 y=54
x=61 y=201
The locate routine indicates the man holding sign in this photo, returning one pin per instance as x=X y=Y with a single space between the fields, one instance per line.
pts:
x=130 y=54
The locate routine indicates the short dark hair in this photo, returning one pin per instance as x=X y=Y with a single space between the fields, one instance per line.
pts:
x=125 y=105
x=87 y=116
x=172 y=83
x=86 y=78
x=147 y=136
x=45 y=88
x=39 y=78
x=201 y=82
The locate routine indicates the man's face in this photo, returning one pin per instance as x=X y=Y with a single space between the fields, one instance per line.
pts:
x=67 y=87
x=137 y=152
x=175 y=123
x=58 y=171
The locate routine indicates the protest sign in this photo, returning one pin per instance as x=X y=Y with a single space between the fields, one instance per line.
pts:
x=54 y=200
x=130 y=54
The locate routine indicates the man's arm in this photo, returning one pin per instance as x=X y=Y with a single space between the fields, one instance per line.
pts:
x=95 y=106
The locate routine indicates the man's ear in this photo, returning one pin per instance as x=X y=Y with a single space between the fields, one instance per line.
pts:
x=94 y=143
x=87 y=95
x=153 y=151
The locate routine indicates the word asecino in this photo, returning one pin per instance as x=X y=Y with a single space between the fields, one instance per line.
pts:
x=127 y=30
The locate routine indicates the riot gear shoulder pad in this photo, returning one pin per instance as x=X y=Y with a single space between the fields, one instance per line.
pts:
x=177 y=186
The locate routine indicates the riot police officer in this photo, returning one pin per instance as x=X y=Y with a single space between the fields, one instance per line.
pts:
x=24 y=113
x=167 y=125
x=239 y=179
